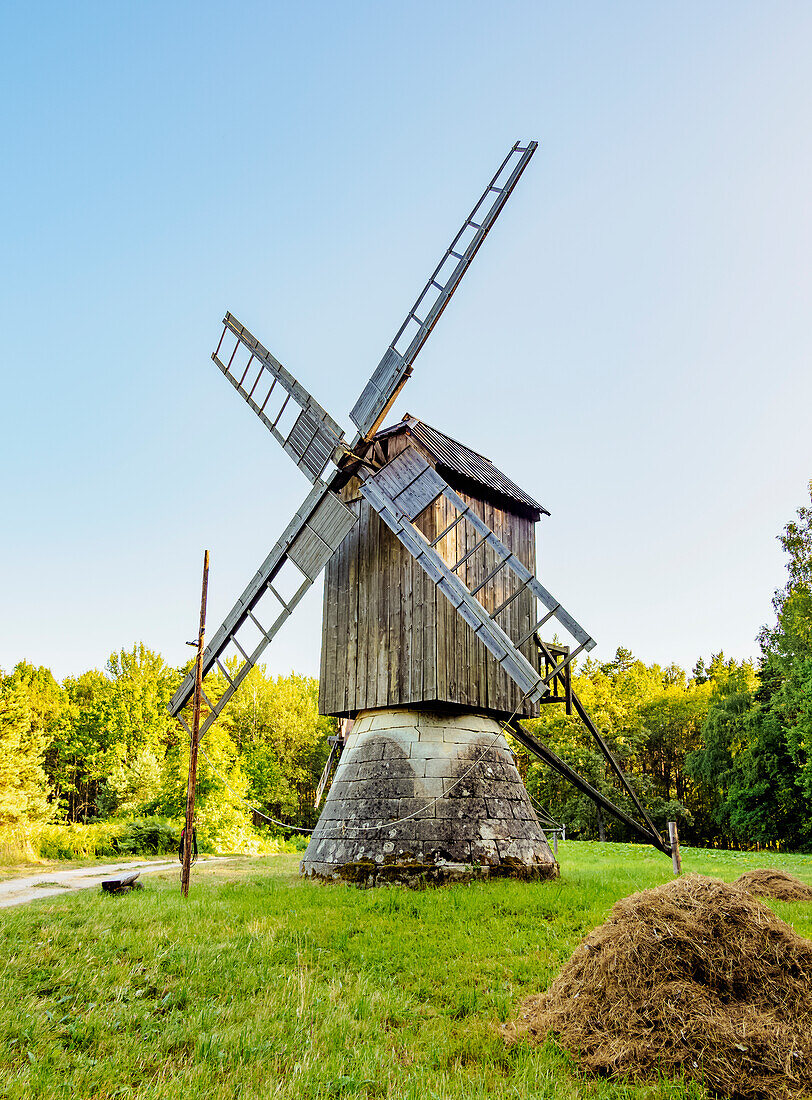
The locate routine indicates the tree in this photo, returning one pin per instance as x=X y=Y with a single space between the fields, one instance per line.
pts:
x=139 y=730
x=222 y=812
x=79 y=756
x=724 y=738
x=632 y=705
x=770 y=792
x=282 y=741
x=23 y=782
x=672 y=719
x=790 y=639
x=764 y=802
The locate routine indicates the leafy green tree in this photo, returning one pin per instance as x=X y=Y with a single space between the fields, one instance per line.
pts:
x=614 y=694
x=23 y=782
x=222 y=811
x=794 y=704
x=790 y=639
x=651 y=718
x=138 y=728
x=764 y=802
x=79 y=756
x=770 y=792
x=282 y=741
x=672 y=719
x=46 y=702
x=724 y=738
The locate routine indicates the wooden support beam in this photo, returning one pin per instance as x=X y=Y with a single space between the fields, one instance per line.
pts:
x=188 y=835
x=673 y=837
x=613 y=764
x=524 y=737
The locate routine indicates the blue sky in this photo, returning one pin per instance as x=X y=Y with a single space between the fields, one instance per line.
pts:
x=631 y=345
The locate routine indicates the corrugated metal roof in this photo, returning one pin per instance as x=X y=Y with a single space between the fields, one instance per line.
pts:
x=459 y=459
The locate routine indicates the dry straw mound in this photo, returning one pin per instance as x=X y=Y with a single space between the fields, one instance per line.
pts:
x=695 y=976
x=769 y=883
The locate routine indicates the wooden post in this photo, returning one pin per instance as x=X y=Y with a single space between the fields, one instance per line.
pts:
x=673 y=836
x=193 y=746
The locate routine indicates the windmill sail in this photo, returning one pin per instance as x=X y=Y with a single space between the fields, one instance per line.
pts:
x=391 y=373
x=308 y=543
x=295 y=419
x=403 y=489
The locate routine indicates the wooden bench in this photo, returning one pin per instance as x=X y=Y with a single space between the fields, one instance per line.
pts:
x=121 y=885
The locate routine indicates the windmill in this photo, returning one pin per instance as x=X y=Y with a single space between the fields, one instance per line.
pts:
x=431 y=643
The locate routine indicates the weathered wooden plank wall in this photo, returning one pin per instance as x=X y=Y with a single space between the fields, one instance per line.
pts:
x=390 y=639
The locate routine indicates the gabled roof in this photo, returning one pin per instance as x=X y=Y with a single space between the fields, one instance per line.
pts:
x=457 y=459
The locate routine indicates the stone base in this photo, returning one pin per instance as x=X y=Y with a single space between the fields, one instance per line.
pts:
x=423 y=797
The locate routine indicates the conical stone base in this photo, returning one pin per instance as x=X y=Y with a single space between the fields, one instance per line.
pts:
x=381 y=822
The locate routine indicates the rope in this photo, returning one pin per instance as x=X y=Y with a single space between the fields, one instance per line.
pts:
x=284 y=824
x=399 y=820
x=548 y=817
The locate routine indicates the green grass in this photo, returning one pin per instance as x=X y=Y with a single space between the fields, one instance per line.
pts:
x=264 y=986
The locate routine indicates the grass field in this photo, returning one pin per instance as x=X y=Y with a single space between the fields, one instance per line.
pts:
x=264 y=986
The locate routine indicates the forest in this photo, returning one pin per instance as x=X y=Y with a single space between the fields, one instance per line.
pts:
x=94 y=764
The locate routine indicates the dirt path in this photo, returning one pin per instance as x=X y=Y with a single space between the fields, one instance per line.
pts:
x=17 y=891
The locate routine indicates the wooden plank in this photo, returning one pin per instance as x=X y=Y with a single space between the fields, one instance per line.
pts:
x=447 y=617
x=403 y=635
x=351 y=641
x=374 y=609
x=494 y=674
x=424 y=676
x=364 y=582
x=380 y=616
x=461 y=628
x=401 y=471
x=440 y=612
x=415 y=498
x=528 y=602
x=407 y=635
x=481 y=655
x=506 y=532
x=472 y=645
x=394 y=617
x=327 y=695
x=335 y=656
x=337 y=645
x=122 y=884
x=462 y=648
x=309 y=553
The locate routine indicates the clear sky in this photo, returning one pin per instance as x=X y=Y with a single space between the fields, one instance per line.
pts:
x=632 y=343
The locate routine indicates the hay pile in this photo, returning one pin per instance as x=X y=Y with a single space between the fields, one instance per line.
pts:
x=695 y=976
x=766 y=882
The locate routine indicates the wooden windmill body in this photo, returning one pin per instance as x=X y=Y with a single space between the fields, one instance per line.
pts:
x=432 y=614
x=389 y=638
x=424 y=695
